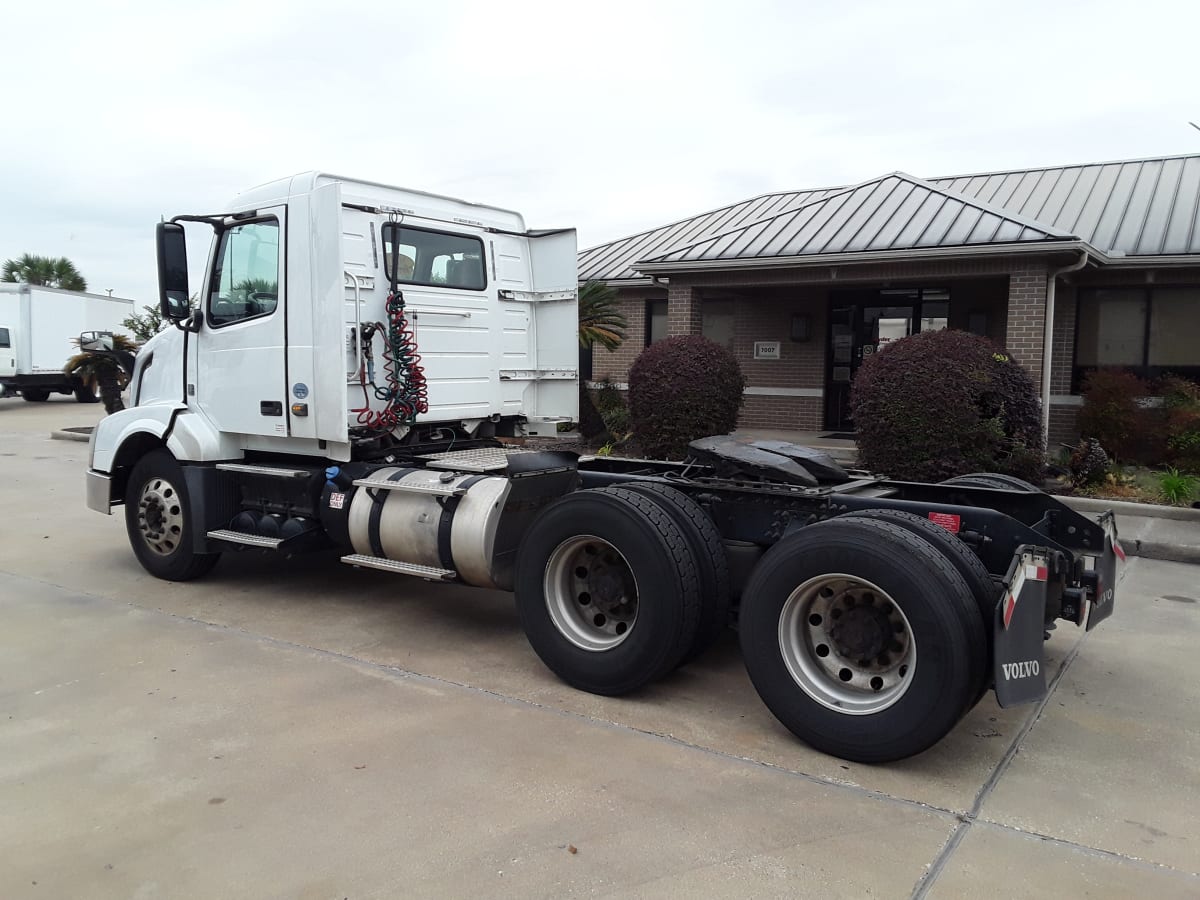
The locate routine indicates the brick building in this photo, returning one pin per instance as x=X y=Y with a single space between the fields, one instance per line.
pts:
x=802 y=285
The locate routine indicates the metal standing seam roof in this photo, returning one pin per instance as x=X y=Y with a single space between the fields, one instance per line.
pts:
x=614 y=260
x=1143 y=207
x=893 y=212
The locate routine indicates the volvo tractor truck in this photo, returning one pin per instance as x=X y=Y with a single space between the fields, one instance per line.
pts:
x=359 y=373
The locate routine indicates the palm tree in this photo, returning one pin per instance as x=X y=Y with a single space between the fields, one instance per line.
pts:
x=56 y=271
x=104 y=370
x=600 y=318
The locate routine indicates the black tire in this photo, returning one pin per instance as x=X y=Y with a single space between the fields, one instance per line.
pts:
x=708 y=550
x=35 y=395
x=942 y=629
x=651 y=552
x=994 y=480
x=85 y=394
x=157 y=519
x=985 y=592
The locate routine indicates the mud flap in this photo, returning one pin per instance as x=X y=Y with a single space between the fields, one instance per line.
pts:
x=1020 y=630
x=1104 y=598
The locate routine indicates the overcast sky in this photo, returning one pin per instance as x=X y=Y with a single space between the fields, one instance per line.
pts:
x=611 y=117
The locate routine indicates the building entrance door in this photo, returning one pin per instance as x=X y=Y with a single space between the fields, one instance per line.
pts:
x=856 y=331
x=862 y=323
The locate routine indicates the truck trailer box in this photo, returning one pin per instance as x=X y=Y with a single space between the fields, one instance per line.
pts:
x=37 y=328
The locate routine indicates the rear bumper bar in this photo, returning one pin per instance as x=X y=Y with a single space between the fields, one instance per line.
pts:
x=1020 y=620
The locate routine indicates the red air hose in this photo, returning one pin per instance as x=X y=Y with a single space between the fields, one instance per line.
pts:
x=405 y=390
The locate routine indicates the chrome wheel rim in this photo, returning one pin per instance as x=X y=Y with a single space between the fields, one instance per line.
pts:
x=847 y=644
x=590 y=593
x=160 y=516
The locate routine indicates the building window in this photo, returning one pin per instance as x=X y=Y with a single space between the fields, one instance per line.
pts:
x=1174 y=326
x=1149 y=330
x=656 y=321
x=717 y=322
x=935 y=310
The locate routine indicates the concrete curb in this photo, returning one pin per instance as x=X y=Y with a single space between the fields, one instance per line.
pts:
x=1125 y=508
x=1180 y=553
x=83 y=434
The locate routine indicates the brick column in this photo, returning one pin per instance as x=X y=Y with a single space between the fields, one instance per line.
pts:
x=1027 y=316
x=1063 y=351
x=683 y=310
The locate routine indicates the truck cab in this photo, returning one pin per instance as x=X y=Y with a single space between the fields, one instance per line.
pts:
x=286 y=349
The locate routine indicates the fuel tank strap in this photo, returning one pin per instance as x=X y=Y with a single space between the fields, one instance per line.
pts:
x=377 y=501
x=446 y=521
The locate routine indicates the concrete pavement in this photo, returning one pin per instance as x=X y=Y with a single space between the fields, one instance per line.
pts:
x=237 y=774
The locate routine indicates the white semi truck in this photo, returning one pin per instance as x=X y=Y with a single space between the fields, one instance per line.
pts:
x=358 y=359
x=37 y=327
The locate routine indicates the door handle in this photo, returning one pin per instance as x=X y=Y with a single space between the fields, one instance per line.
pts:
x=271 y=407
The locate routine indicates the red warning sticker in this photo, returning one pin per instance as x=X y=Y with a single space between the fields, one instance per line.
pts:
x=949 y=521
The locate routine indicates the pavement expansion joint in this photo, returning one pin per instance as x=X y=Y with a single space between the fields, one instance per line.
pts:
x=971 y=816
x=967 y=819
x=1090 y=851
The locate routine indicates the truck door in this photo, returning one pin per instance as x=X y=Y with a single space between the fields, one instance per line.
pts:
x=8 y=353
x=241 y=377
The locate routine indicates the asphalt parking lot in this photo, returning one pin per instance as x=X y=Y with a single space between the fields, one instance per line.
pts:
x=295 y=728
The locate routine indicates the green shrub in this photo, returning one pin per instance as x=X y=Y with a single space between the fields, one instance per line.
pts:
x=1111 y=414
x=591 y=425
x=612 y=408
x=945 y=403
x=681 y=389
x=1089 y=464
x=1181 y=422
x=1177 y=487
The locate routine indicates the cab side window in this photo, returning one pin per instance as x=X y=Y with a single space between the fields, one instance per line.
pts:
x=434 y=258
x=245 y=280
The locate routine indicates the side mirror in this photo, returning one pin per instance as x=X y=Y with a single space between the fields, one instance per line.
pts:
x=173 y=293
x=96 y=341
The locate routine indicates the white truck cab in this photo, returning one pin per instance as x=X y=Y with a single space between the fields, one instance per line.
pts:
x=285 y=352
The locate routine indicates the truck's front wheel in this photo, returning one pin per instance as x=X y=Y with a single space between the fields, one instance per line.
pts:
x=34 y=395
x=862 y=638
x=157 y=517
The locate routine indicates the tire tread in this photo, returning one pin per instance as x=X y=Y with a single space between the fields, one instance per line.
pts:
x=708 y=552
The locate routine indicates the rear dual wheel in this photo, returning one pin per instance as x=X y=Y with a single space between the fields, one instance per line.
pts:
x=994 y=480
x=984 y=591
x=708 y=558
x=863 y=638
x=607 y=589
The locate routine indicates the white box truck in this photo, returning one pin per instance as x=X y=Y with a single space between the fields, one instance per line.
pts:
x=37 y=328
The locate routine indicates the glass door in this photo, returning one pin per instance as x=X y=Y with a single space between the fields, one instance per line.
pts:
x=862 y=323
x=857 y=330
